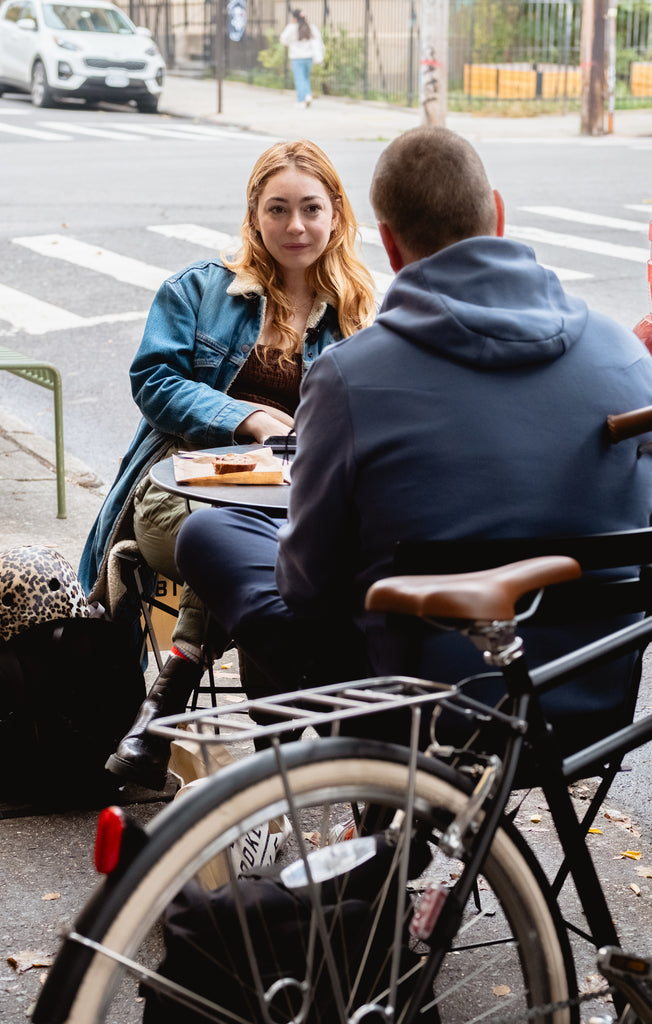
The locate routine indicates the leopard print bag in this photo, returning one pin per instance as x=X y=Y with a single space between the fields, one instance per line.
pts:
x=70 y=686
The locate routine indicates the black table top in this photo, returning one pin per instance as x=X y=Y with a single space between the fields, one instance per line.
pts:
x=270 y=498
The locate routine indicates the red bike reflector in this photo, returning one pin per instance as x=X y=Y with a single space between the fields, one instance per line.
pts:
x=111 y=827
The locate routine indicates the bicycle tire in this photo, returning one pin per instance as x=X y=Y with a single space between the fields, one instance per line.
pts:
x=528 y=966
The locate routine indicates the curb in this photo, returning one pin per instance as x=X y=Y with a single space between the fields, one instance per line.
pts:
x=43 y=450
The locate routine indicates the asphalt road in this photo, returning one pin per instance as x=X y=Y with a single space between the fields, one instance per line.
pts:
x=92 y=224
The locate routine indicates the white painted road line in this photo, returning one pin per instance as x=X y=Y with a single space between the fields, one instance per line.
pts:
x=93 y=257
x=596 y=220
x=593 y=245
x=565 y=274
x=641 y=208
x=382 y=281
x=100 y=133
x=198 y=235
x=26 y=313
x=371 y=236
x=183 y=132
x=34 y=133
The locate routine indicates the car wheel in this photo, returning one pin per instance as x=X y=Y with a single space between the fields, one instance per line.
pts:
x=41 y=94
x=147 y=104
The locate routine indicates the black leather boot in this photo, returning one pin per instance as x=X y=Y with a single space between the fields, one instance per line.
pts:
x=142 y=757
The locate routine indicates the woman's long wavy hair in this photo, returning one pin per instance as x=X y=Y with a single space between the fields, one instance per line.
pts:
x=338 y=274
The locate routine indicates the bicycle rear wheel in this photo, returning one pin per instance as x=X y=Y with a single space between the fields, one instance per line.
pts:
x=335 y=964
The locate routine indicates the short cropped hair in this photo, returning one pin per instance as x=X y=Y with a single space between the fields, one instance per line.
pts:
x=431 y=189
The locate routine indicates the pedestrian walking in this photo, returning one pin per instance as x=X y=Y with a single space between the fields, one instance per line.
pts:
x=305 y=48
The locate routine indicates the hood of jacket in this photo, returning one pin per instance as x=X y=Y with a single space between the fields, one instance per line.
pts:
x=485 y=302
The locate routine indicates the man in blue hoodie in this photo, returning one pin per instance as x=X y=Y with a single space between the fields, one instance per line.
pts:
x=474 y=406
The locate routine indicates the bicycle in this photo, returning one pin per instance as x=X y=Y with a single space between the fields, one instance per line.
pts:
x=435 y=909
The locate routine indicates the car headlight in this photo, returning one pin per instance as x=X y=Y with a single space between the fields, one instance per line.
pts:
x=152 y=51
x=65 y=44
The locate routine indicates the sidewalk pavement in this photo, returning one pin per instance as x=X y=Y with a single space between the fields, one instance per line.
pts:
x=275 y=112
x=47 y=860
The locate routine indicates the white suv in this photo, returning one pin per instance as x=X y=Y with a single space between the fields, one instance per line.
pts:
x=87 y=50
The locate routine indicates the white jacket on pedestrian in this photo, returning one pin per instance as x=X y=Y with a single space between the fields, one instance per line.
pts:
x=302 y=49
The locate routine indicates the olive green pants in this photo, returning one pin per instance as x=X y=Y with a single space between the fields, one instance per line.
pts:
x=158 y=516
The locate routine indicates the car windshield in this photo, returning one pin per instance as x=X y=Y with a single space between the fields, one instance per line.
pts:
x=86 y=19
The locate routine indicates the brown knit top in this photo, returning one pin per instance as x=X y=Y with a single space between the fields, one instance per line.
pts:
x=265 y=382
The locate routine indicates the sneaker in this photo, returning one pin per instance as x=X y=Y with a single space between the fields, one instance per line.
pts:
x=308 y=100
x=342 y=831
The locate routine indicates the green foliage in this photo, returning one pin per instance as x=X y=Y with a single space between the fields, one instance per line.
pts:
x=496 y=27
x=273 y=60
x=341 y=74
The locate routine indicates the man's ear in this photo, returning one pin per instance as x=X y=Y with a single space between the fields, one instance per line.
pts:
x=500 y=214
x=396 y=260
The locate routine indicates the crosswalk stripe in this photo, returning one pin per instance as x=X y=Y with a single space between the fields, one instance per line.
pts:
x=93 y=257
x=198 y=235
x=183 y=132
x=564 y=274
x=641 y=208
x=197 y=131
x=597 y=220
x=217 y=132
x=592 y=245
x=24 y=312
x=371 y=236
x=34 y=133
x=100 y=133
x=32 y=315
x=382 y=281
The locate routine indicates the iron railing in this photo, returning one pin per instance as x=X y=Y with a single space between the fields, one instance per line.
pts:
x=500 y=48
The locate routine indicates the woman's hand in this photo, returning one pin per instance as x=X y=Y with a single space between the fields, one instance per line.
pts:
x=265 y=422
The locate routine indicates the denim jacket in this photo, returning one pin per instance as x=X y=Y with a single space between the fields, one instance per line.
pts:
x=202 y=327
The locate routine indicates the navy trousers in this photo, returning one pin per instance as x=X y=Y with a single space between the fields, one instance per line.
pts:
x=228 y=557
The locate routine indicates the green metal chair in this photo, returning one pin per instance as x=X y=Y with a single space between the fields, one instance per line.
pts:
x=46 y=376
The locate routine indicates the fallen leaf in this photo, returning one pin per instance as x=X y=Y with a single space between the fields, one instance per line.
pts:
x=593 y=983
x=614 y=815
x=632 y=854
x=28 y=958
x=622 y=819
x=644 y=872
x=535 y=818
x=635 y=889
x=51 y=896
x=501 y=990
x=595 y=831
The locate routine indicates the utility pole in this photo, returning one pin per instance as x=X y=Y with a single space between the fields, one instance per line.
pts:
x=592 y=60
x=434 y=62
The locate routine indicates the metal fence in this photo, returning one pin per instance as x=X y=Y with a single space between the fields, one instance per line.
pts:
x=503 y=49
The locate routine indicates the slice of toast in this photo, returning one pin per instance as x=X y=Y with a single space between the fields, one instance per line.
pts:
x=202 y=468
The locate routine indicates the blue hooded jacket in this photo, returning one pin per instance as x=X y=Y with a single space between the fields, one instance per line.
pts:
x=474 y=406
